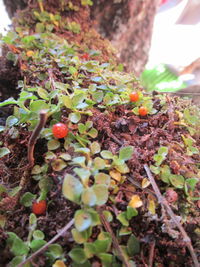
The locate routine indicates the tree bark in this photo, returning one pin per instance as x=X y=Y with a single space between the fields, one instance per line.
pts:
x=127 y=24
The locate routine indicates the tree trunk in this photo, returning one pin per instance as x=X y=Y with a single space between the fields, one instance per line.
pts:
x=127 y=24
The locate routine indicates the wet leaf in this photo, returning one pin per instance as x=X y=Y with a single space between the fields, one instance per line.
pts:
x=82 y=220
x=72 y=188
x=11 y=120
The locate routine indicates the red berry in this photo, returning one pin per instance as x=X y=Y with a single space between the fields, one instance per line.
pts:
x=134 y=97
x=85 y=56
x=40 y=207
x=60 y=130
x=143 y=111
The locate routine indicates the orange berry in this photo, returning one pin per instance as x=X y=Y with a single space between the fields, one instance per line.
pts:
x=143 y=111
x=40 y=207
x=60 y=130
x=134 y=97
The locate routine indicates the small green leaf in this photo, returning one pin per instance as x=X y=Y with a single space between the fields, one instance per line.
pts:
x=74 y=117
x=106 y=154
x=93 y=133
x=163 y=150
x=40 y=27
x=27 y=199
x=80 y=237
x=123 y=219
x=106 y=259
x=32 y=219
x=133 y=245
x=82 y=128
x=78 y=255
x=84 y=174
x=56 y=250
x=58 y=165
x=11 y=120
x=36 y=169
x=88 y=197
x=103 y=243
x=37 y=106
x=82 y=220
x=53 y=144
x=38 y=235
x=89 y=249
x=8 y=101
x=131 y=212
x=108 y=215
x=72 y=188
x=37 y=244
x=191 y=182
x=177 y=180
x=4 y=151
x=98 y=96
x=95 y=148
x=17 y=246
x=99 y=163
x=102 y=178
x=125 y=153
x=43 y=93
x=101 y=192
x=72 y=70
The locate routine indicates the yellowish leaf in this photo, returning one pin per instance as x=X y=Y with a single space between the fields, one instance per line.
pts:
x=30 y=53
x=152 y=206
x=145 y=183
x=115 y=175
x=135 y=202
x=59 y=263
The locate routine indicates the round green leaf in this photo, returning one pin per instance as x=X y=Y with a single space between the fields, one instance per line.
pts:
x=177 y=180
x=99 y=163
x=125 y=153
x=27 y=199
x=82 y=220
x=38 y=235
x=74 y=117
x=4 y=151
x=102 y=178
x=95 y=148
x=58 y=165
x=72 y=188
x=101 y=192
x=53 y=144
x=78 y=255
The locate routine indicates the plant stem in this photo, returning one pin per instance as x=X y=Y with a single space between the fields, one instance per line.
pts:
x=170 y=212
x=114 y=239
x=34 y=136
x=63 y=230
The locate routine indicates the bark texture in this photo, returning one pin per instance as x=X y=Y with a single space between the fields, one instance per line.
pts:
x=128 y=25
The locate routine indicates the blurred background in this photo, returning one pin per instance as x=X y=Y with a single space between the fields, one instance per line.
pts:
x=174 y=57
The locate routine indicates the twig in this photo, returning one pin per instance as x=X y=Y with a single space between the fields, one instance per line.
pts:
x=114 y=239
x=151 y=253
x=164 y=202
x=64 y=229
x=34 y=136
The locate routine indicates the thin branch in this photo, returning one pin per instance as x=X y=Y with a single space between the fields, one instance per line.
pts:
x=34 y=136
x=114 y=239
x=151 y=253
x=170 y=212
x=42 y=249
